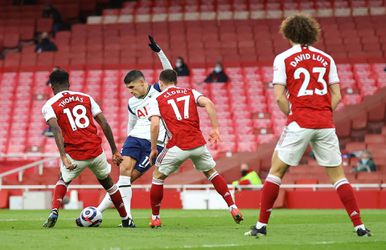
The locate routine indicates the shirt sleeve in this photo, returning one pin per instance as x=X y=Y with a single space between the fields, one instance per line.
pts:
x=153 y=108
x=333 y=76
x=164 y=60
x=196 y=95
x=95 y=109
x=157 y=86
x=279 y=75
x=48 y=112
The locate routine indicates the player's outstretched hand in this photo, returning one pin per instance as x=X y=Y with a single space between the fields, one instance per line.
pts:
x=214 y=136
x=68 y=164
x=153 y=156
x=153 y=45
x=117 y=158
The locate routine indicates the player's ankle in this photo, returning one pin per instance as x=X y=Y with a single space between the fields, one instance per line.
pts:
x=154 y=217
x=260 y=225
x=232 y=207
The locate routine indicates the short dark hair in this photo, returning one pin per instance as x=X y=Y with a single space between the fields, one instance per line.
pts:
x=58 y=77
x=168 y=76
x=301 y=29
x=132 y=76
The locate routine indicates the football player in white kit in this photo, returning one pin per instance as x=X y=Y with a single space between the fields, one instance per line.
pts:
x=137 y=146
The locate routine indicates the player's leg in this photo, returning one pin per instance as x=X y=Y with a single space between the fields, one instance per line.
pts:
x=66 y=176
x=325 y=146
x=203 y=162
x=156 y=196
x=101 y=169
x=288 y=152
x=269 y=195
x=168 y=161
x=131 y=152
x=124 y=185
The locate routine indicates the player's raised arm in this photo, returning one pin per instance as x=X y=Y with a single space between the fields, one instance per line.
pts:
x=214 y=134
x=281 y=98
x=157 y=49
x=101 y=119
x=336 y=97
x=57 y=131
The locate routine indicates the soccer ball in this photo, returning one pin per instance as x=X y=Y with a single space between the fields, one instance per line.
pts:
x=90 y=217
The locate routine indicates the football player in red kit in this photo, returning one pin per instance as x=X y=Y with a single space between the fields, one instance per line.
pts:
x=177 y=107
x=306 y=87
x=70 y=116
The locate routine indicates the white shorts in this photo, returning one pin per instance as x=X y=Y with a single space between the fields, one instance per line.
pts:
x=170 y=159
x=294 y=141
x=98 y=165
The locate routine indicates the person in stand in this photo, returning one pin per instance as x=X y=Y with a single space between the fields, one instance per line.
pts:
x=218 y=74
x=181 y=68
x=248 y=176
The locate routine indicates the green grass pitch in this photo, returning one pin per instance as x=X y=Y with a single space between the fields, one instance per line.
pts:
x=193 y=229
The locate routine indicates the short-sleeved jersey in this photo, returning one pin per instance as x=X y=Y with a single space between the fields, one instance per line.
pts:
x=307 y=73
x=74 y=112
x=178 y=109
x=139 y=124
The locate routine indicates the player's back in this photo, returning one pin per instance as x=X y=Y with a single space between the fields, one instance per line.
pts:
x=178 y=109
x=74 y=112
x=307 y=72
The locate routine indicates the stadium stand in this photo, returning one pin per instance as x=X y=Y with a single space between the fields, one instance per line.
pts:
x=243 y=34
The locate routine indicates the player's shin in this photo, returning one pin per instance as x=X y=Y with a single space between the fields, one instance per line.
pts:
x=59 y=193
x=156 y=195
x=347 y=197
x=221 y=188
x=268 y=197
x=116 y=198
x=124 y=185
x=105 y=203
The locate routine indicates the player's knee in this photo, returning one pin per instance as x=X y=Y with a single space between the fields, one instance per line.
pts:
x=335 y=173
x=106 y=182
x=209 y=172
x=126 y=167
x=158 y=175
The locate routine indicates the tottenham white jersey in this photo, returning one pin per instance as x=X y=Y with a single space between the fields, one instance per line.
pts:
x=139 y=124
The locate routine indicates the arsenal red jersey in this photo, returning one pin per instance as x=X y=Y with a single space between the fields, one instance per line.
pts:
x=307 y=73
x=74 y=112
x=178 y=109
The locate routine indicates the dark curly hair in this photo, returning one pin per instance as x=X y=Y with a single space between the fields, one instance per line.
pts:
x=301 y=29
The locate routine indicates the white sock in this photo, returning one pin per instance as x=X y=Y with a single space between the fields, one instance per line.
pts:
x=360 y=226
x=232 y=207
x=105 y=203
x=153 y=217
x=260 y=225
x=124 y=185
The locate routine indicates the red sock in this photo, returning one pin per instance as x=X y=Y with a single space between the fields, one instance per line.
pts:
x=221 y=188
x=116 y=198
x=156 y=195
x=59 y=193
x=346 y=195
x=270 y=192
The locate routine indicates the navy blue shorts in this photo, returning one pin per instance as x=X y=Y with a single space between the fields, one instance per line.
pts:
x=138 y=149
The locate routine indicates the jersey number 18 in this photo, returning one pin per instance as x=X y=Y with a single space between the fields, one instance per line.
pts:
x=81 y=120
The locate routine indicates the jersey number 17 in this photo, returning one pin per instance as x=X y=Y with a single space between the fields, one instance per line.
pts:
x=173 y=103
